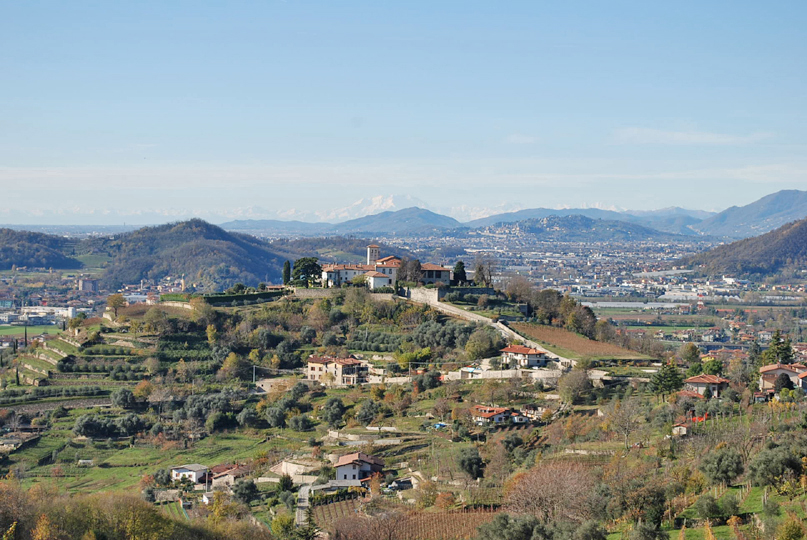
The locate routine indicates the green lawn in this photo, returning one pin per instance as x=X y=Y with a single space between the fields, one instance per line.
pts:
x=32 y=330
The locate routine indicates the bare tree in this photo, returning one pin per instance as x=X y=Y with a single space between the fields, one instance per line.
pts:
x=519 y=288
x=553 y=491
x=484 y=266
x=623 y=417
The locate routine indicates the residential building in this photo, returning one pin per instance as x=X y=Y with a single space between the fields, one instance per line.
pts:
x=377 y=280
x=193 y=472
x=332 y=371
x=716 y=384
x=524 y=357
x=768 y=375
x=496 y=415
x=434 y=273
x=357 y=466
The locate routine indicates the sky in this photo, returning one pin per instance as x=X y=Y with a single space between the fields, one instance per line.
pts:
x=149 y=111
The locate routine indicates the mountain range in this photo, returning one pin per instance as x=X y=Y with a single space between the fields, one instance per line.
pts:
x=736 y=222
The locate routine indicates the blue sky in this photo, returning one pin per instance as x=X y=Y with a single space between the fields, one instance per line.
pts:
x=116 y=111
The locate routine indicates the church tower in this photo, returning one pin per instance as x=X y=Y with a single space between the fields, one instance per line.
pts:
x=372 y=254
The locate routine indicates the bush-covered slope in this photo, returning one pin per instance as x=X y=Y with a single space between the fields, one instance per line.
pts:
x=766 y=254
x=205 y=254
x=23 y=248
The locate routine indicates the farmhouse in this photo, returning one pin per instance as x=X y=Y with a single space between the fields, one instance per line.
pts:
x=524 y=357
x=332 y=371
x=716 y=385
x=193 y=472
x=358 y=466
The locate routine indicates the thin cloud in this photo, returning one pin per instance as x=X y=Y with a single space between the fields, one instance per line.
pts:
x=637 y=135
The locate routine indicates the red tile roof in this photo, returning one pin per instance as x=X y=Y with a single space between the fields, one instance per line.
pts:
x=796 y=368
x=347 y=459
x=489 y=412
x=350 y=361
x=707 y=379
x=520 y=349
x=430 y=266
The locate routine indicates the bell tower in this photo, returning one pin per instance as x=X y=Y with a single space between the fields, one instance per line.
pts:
x=372 y=254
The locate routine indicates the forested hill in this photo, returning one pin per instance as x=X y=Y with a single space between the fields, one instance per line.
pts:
x=767 y=254
x=23 y=248
x=205 y=254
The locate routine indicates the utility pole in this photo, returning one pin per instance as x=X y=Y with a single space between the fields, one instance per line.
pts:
x=253 y=374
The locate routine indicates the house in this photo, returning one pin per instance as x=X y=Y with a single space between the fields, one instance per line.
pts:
x=768 y=375
x=332 y=371
x=334 y=275
x=533 y=411
x=524 y=357
x=716 y=384
x=193 y=472
x=679 y=430
x=229 y=477
x=208 y=497
x=434 y=273
x=487 y=415
x=376 y=280
x=357 y=466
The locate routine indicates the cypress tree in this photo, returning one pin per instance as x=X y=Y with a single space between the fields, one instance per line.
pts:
x=286 y=272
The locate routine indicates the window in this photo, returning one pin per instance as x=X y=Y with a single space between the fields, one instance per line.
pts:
x=354 y=477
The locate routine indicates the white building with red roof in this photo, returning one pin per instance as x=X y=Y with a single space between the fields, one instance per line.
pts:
x=524 y=357
x=332 y=371
x=334 y=275
x=699 y=383
x=376 y=280
x=358 y=467
x=482 y=414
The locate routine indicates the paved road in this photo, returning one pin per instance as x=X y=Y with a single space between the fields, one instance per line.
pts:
x=301 y=517
x=504 y=330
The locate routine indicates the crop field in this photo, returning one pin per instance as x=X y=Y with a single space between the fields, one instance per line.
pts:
x=573 y=345
x=446 y=525
x=416 y=525
x=325 y=515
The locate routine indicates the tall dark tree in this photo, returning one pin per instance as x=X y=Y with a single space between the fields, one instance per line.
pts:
x=306 y=271
x=460 y=276
x=782 y=381
x=286 y=272
x=471 y=463
x=667 y=380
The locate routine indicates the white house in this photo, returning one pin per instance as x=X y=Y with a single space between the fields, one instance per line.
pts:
x=357 y=466
x=376 y=280
x=487 y=415
x=524 y=357
x=193 y=472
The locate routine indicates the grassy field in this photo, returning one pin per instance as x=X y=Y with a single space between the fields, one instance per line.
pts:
x=573 y=345
x=32 y=330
